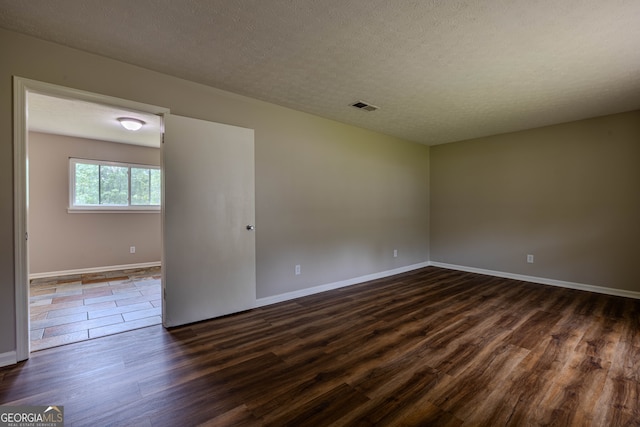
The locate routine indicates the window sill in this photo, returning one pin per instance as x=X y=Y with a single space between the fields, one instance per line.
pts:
x=113 y=210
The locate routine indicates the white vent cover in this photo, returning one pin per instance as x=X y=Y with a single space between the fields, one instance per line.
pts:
x=361 y=105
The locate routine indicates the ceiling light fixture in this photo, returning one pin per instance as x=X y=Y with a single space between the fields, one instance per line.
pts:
x=131 y=124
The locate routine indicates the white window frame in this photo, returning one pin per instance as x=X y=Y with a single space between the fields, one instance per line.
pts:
x=129 y=208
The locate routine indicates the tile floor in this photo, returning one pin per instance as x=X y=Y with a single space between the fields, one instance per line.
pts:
x=75 y=308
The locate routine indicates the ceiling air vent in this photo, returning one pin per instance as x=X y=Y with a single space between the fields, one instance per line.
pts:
x=361 y=105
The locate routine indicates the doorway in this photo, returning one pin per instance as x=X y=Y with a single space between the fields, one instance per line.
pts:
x=76 y=118
x=207 y=208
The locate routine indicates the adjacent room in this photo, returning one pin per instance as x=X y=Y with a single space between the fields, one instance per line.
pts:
x=94 y=221
x=370 y=213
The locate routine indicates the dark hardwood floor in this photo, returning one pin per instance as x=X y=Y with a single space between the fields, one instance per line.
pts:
x=433 y=347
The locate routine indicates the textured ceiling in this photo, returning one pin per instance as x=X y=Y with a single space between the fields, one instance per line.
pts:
x=440 y=71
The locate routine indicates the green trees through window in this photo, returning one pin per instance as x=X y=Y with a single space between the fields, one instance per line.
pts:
x=145 y=186
x=114 y=185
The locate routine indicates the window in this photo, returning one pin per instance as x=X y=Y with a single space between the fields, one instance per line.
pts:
x=99 y=185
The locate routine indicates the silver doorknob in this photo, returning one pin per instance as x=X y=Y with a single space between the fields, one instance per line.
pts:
x=251 y=227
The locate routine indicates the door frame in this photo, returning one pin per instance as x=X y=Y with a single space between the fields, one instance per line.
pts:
x=21 y=88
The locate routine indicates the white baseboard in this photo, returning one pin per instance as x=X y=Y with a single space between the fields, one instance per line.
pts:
x=260 y=302
x=8 y=358
x=94 y=270
x=541 y=280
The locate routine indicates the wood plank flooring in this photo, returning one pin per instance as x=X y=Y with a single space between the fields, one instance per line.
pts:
x=433 y=347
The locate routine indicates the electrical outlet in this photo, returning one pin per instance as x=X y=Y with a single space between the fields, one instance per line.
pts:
x=298 y=271
x=530 y=259
x=132 y=250
x=395 y=253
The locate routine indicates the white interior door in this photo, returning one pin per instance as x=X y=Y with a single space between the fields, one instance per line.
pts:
x=209 y=252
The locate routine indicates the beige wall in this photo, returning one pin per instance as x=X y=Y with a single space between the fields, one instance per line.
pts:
x=60 y=240
x=331 y=197
x=568 y=194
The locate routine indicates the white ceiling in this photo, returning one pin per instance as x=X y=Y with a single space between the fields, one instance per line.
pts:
x=440 y=71
x=82 y=119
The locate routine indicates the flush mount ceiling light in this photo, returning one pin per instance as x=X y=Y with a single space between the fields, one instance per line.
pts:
x=361 y=105
x=131 y=124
